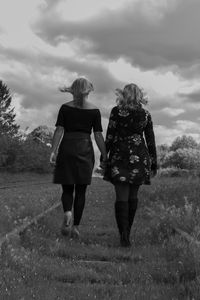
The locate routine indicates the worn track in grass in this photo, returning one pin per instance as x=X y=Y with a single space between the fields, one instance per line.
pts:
x=21 y=184
x=39 y=263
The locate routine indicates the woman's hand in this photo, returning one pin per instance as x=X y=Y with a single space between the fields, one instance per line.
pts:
x=153 y=172
x=52 y=159
x=102 y=166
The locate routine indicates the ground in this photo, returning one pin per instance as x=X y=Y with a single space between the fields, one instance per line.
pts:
x=43 y=264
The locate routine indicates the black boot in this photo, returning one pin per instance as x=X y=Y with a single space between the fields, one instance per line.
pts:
x=131 y=213
x=121 y=215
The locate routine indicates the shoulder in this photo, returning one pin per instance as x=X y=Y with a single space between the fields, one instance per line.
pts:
x=114 y=110
x=148 y=116
x=67 y=104
x=146 y=112
x=89 y=105
x=61 y=107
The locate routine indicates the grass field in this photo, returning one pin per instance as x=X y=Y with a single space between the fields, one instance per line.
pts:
x=42 y=264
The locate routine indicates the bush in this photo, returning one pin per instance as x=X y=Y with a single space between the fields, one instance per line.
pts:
x=163 y=220
x=24 y=156
x=184 y=142
x=162 y=151
x=183 y=159
x=33 y=158
x=10 y=149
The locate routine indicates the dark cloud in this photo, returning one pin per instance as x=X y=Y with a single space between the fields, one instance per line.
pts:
x=171 y=42
x=34 y=95
x=193 y=97
x=149 y=44
x=102 y=79
x=38 y=95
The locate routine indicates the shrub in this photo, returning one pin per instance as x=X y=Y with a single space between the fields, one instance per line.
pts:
x=184 y=142
x=183 y=159
x=163 y=220
x=17 y=155
x=10 y=148
x=34 y=157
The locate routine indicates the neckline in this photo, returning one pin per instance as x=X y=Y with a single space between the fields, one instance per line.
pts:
x=80 y=108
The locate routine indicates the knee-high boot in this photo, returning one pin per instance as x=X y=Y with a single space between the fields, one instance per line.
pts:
x=131 y=213
x=122 y=219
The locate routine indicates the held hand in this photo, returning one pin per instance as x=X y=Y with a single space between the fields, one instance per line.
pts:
x=102 y=167
x=153 y=173
x=103 y=164
x=52 y=159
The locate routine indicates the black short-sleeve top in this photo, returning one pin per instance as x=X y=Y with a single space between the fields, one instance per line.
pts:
x=75 y=119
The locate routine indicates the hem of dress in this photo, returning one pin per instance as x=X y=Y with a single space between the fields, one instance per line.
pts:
x=126 y=182
x=68 y=183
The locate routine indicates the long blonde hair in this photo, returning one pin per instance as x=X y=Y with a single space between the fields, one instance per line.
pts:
x=131 y=97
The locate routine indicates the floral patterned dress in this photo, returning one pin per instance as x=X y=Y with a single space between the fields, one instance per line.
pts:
x=130 y=143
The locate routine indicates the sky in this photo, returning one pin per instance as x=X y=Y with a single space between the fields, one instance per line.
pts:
x=46 y=44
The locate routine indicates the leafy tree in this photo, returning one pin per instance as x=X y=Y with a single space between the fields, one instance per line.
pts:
x=163 y=148
x=42 y=134
x=7 y=115
x=10 y=148
x=183 y=158
x=33 y=157
x=184 y=142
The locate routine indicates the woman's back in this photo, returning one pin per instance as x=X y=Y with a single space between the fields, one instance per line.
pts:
x=75 y=119
x=130 y=142
x=129 y=122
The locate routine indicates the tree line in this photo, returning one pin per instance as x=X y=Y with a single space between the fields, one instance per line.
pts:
x=23 y=151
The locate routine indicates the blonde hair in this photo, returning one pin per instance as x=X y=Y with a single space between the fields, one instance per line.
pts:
x=80 y=86
x=131 y=97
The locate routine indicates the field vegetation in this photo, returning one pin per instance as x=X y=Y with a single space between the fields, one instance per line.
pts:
x=162 y=263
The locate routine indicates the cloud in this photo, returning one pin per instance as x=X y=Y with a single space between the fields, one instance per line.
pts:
x=50 y=43
x=172 y=112
x=188 y=126
x=166 y=135
x=149 y=36
x=193 y=96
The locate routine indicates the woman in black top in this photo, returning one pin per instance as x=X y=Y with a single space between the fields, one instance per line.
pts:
x=130 y=143
x=72 y=151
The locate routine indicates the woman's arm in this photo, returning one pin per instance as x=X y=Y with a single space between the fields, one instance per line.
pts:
x=57 y=137
x=110 y=134
x=111 y=130
x=101 y=145
x=150 y=141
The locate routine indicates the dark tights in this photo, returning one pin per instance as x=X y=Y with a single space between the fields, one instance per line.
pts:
x=79 y=199
x=126 y=197
x=127 y=193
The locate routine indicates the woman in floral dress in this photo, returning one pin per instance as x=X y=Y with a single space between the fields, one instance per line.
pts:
x=130 y=143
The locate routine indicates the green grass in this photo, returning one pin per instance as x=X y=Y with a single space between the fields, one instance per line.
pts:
x=45 y=265
x=24 y=198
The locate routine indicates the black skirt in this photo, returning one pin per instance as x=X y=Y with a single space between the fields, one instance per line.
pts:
x=75 y=159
